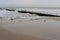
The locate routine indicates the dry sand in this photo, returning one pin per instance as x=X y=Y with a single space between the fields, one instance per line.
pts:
x=30 y=30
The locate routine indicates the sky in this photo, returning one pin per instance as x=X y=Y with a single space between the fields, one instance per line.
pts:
x=29 y=3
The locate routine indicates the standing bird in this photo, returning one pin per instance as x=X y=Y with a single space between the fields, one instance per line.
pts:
x=11 y=19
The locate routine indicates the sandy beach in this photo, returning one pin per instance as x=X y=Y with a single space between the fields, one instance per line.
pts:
x=8 y=35
x=30 y=30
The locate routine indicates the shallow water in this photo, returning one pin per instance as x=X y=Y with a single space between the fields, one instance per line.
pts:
x=14 y=14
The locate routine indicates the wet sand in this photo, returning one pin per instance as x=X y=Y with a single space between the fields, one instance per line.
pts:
x=56 y=18
x=7 y=35
x=30 y=30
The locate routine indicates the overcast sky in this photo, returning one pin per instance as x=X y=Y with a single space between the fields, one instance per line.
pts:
x=29 y=3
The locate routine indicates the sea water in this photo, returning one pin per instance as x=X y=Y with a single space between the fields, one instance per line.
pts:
x=15 y=15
